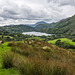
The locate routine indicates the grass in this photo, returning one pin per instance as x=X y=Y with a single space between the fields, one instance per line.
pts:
x=34 y=66
x=35 y=57
x=11 y=71
x=65 y=40
x=40 y=58
x=3 y=48
x=6 y=36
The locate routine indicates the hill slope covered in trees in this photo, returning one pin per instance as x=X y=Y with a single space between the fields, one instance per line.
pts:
x=45 y=26
x=17 y=28
x=64 y=26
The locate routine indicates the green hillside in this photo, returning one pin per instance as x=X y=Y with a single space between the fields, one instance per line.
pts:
x=45 y=26
x=17 y=28
x=64 y=26
x=65 y=40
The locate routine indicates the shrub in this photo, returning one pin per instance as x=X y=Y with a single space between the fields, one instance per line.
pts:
x=11 y=43
x=73 y=40
x=58 y=42
x=3 y=41
x=7 y=60
x=64 y=45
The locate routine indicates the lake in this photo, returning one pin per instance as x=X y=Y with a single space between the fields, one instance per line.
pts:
x=36 y=33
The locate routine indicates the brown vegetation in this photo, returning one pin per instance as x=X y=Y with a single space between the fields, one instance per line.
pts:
x=34 y=57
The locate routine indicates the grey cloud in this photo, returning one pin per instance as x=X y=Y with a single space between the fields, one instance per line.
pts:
x=63 y=2
x=23 y=12
x=46 y=10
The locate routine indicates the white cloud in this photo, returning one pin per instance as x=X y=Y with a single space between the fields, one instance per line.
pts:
x=31 y=11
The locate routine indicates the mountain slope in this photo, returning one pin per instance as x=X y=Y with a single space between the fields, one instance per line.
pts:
x=41 y=22
x=45 y=26
x=38 y=23
x=64 y=26
x=17 y=28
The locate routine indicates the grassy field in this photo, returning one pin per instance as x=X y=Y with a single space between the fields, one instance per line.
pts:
x=10 y=71
x=35 y=57
x=65 y=40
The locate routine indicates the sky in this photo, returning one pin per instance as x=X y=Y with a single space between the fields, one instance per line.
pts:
x=32 y=11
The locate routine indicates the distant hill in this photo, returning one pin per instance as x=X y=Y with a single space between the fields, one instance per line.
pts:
x=41 y=22
x=64 y=26
x=45 y=26
x=38 y=23
x=17 y=28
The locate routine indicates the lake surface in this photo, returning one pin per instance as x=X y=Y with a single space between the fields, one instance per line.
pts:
x=36 y=33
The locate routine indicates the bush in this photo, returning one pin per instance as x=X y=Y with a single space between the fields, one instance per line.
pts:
x=73 y=40
x=11 y=43
x=58 y=42
x=3 y=41
x=64 y=45
x=7 y=60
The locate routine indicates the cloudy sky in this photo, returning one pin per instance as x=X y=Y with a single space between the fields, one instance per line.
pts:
x=32 y=11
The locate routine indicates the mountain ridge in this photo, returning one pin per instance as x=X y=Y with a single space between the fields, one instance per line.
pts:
x=65 y=26
x=17 y=28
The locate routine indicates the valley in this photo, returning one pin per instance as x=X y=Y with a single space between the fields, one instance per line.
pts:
x=37 y=37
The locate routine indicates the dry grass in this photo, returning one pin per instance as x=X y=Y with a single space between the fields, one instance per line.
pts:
x=40 y=58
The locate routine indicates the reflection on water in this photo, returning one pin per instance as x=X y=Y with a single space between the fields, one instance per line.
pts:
x=36 y=33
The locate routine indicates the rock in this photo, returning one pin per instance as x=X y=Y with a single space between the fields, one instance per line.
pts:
x=46 y=47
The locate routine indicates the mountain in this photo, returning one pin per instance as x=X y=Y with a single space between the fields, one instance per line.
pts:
x=17 y=28
x=41 y=22
x=38 y=23
x=44 y=26
x=65 y=26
